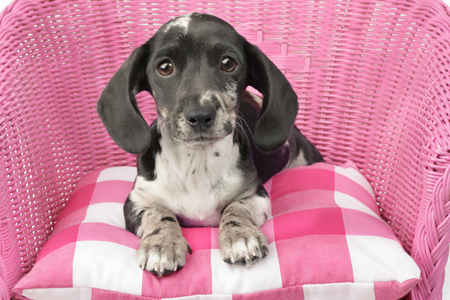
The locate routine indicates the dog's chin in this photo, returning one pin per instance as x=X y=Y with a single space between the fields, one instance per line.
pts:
x=202 y=141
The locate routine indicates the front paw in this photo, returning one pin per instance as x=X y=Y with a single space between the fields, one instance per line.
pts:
x=243 y=245
x=162 y=254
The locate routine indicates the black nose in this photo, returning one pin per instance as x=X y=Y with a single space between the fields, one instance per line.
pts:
x=200 y=117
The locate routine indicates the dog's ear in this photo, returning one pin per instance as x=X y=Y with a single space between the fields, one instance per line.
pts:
x=280 y=106
x=117 y=105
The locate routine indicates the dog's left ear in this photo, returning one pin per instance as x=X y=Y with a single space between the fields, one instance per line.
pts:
x=280 y=105
x=117 y=105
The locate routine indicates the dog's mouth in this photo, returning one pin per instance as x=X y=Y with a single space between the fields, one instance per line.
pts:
x=202 y=140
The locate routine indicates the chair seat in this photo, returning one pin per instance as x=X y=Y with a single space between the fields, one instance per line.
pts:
x=325 y=237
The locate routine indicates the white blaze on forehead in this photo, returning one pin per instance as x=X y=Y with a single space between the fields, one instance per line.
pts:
x=181 y=22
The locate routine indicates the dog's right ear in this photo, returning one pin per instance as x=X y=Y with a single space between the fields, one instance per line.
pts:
x=117 y=105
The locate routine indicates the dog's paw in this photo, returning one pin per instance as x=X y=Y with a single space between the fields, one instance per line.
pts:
x=161 y=254
x=242 y=245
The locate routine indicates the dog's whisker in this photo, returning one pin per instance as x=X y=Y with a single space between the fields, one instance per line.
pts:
x=153 y=125
x=235 y=131
x=243 y=133
x=241 y=120
x=162 y=125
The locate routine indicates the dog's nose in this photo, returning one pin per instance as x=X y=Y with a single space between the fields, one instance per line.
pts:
x=200 y=117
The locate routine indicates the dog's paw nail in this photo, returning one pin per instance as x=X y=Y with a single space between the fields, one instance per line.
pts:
x=265 y=250
x=247 y=259
x=241 y=261
x=231 y=256
x=189 y=249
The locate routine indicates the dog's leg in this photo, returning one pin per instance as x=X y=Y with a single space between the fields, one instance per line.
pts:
x=163 y=247
x=240 y=239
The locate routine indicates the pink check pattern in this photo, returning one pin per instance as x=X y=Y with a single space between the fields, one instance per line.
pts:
x=325 y=236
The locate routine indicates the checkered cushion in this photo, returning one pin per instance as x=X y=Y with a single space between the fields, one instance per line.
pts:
x=325 y=238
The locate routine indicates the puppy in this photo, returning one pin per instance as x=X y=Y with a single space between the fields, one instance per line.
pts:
x=204 y=160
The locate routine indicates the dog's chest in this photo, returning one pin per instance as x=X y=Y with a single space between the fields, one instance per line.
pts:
x=194 y=183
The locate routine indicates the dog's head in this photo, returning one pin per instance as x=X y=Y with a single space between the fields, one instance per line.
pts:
x=196 y=67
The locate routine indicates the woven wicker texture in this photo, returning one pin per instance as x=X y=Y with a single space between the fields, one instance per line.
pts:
x=372 y=79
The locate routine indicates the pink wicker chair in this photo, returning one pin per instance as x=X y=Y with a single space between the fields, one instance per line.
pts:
x=373 y=80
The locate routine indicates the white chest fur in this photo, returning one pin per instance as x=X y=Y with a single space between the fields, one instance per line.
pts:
x=193 y=183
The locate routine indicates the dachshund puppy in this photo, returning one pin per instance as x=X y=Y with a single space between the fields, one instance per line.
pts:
x=204 y=160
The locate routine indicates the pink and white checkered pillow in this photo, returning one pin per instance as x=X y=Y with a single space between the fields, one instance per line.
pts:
x=326 y=238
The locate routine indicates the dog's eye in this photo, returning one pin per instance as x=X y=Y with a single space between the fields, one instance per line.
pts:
x=228 y=64
x=165 y=68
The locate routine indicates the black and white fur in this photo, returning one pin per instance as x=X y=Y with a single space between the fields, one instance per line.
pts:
x=204 y=160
